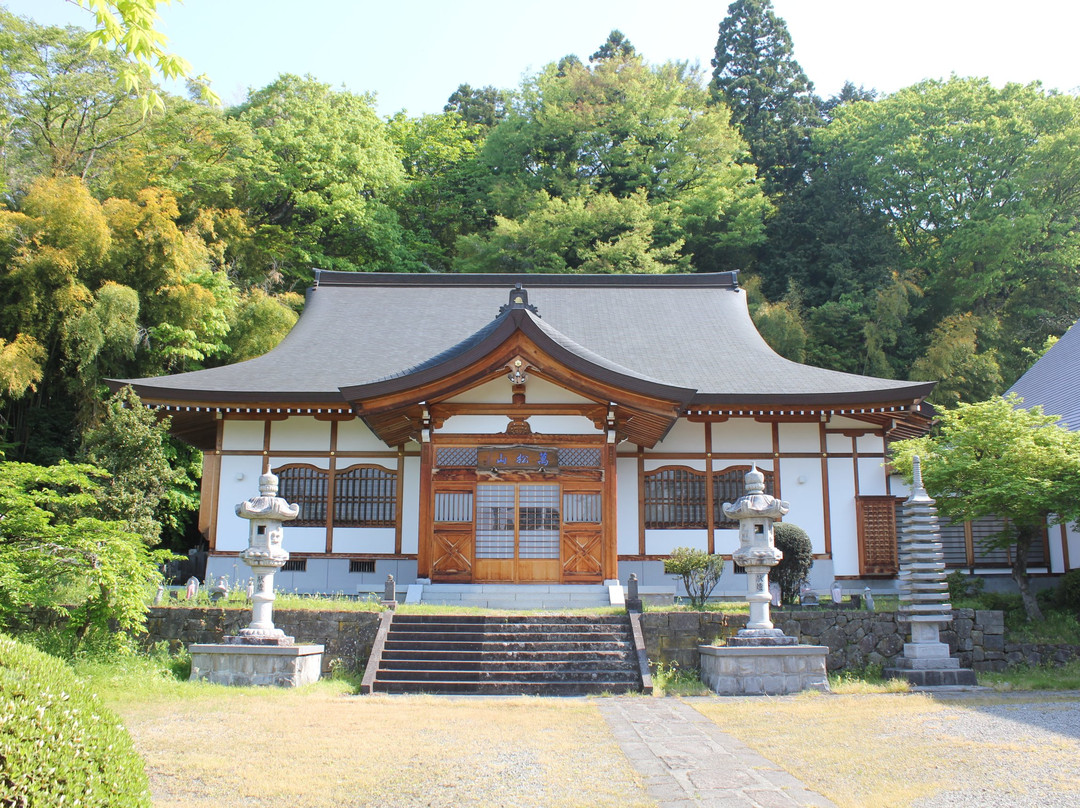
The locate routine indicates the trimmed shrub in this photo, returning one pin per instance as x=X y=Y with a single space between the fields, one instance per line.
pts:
x=1069 y=590
x=794 y=567
x=700 y=572
x=58 y=744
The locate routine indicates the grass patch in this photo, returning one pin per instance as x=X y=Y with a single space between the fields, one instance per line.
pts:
x=1065 y=677
x=237 y=599
x=373 y=750
x=671 y=680
x=869 y=679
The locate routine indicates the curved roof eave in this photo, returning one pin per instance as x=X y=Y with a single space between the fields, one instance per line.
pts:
x=908 y=394
x=546 y=338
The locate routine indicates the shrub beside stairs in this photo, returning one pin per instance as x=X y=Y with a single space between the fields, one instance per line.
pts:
x=542 y=654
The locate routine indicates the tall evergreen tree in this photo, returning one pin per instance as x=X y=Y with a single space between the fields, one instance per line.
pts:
x=772 y=101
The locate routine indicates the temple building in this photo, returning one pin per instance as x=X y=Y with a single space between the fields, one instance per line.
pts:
x=522 y=429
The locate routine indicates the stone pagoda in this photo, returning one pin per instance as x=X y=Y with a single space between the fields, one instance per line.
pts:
x=924 y=595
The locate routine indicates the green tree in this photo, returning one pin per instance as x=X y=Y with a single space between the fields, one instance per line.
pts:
x=700 y=572
x=772 y=101
x=794 y=567
x=319 y=187
x=979 y=186
x=617 y=47
x=997 y=457
x=145 y=493
x=481 y=108
x=55 y=550
x=623 y=128
x=63 y=105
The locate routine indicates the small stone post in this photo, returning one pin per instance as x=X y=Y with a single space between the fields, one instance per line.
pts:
x=633 y=595
x=265 y=555
x=757 y=554
x=390 y=593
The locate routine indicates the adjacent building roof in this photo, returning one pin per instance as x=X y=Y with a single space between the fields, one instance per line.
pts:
x=1052 y=380
x=365 y=331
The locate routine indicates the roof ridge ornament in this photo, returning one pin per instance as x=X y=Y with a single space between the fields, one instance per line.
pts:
x=519 y=299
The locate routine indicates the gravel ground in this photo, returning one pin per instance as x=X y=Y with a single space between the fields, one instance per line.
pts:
x=1046 y=724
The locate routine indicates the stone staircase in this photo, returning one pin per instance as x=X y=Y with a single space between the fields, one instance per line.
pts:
x=549 y=655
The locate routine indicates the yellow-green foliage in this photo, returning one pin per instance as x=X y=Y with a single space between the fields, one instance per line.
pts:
x=58 y=744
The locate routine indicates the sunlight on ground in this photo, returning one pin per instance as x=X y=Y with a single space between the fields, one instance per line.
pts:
x=884 y=750
x=318 y=746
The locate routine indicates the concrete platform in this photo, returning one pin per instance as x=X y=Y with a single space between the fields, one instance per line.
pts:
x=763 y=670
x=247 y=665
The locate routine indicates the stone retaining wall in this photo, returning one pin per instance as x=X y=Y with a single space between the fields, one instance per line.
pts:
x=348 y=636
x=855 y=639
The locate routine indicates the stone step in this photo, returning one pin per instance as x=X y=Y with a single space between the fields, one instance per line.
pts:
x=511 y=688
x=549 y=657
x=506 y=647
x=542 y=620
x=507 y=636
x=542 y=676
x=589 y=665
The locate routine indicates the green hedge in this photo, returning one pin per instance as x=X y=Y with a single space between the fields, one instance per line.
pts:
x=58 y=744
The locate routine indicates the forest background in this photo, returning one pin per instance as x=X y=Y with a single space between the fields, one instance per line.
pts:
x=928 y=234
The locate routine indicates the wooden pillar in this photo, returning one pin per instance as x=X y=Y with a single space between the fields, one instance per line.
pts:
x=426 y=525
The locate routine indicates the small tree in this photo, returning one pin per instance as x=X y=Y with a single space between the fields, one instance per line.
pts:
x=998 y=458
x=794 y=567
x=700 y=572
x=51 y=548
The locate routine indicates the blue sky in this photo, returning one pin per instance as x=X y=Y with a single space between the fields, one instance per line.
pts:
x=413 y=53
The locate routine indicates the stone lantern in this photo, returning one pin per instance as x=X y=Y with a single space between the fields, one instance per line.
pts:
x=264 y=554
x=757 y=554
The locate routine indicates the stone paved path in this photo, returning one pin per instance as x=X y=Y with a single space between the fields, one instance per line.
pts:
x=687 y=762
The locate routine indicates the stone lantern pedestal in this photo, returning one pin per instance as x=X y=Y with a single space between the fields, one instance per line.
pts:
x=760 y=659
x=260 y=654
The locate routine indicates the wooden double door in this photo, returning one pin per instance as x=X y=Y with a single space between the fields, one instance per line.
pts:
x=518 y=532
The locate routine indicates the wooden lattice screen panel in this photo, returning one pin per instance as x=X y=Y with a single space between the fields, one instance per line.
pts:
x=877 y=535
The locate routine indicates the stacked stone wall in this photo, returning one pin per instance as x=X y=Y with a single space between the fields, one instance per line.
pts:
x=348 y=636
x=855 y=639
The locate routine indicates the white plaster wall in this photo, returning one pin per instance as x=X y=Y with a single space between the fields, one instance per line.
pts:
x=765 y=464
x=870 y=444
x=473 y=425
x=742 y=435
x=626 y=506
x=845 y=535
x=241 y=435
x=662 y=542
x=799 y=437
x=354 y=436
x=300 y=433
x=231 y=530
x=363 y=540
x=410 y=506
x=563 y=425
x=537 y=391
x=843 y=422
x=837 y=444
x=652 y=465
x=685 y=436
x=726 y=542
x=304 y=539
x=872 y=477
x=279 y=460
x=805 y=498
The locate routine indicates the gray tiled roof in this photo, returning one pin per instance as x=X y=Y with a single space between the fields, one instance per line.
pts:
x=1052 y=380
x=690 y=331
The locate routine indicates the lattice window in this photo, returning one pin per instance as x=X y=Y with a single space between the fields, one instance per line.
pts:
x=675 y=498
x=305 y=486
x=361 y=565
x=495 y=521
x=728 y=486
x=953 y=539
x=453 y=506
x=455 y=456
x=989 y=528
x=538 y=521
x=295 y=565
x=365 y=496
x=877 y=535
x=581 y=508
x=580 y=457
